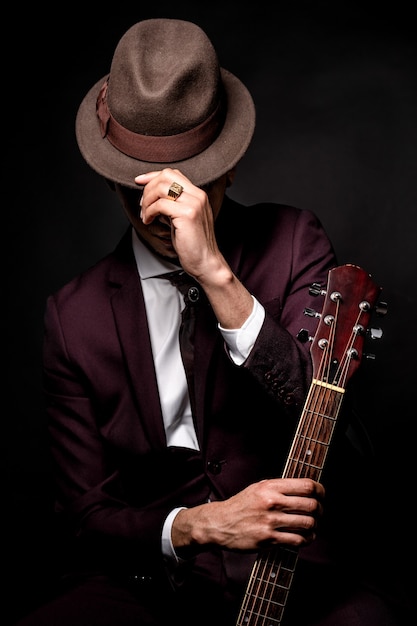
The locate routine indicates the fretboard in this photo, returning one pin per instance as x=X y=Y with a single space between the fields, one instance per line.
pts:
x=272 y=574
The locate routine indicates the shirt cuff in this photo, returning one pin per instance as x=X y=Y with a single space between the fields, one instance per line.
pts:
x=166 y=542
x=240 y=341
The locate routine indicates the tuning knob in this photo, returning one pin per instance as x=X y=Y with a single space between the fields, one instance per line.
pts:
x=304 y=336
x=375 y=333
x=311 y=312
x=381 y=309
x=316 y=290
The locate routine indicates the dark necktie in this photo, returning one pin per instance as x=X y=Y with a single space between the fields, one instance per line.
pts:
x=191 y=293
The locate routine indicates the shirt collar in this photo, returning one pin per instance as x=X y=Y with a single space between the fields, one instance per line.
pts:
x=149 y=264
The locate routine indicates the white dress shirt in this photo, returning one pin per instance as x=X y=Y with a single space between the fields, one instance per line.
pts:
x=164 y=304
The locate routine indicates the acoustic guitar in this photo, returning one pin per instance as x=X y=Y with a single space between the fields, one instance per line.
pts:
x=336 y=352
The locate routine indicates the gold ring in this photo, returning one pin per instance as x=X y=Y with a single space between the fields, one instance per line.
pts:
x=175 y=191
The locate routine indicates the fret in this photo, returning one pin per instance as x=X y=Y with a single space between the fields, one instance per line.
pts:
x=322 y=416
x=317 y=431
x=300 y=470
x=303 y=444
x=262 y=619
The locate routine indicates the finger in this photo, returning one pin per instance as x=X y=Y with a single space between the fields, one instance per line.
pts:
x=283 y=537
x=144 y=179
x=156 y=198
x=166 y=176
x=153 y=205
x=296 y=523
x=300 y=486
x=300 y=505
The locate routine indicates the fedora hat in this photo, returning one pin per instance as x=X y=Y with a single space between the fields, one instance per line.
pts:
x=165 y=103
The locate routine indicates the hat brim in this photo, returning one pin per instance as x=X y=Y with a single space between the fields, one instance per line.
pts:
x=221 y=156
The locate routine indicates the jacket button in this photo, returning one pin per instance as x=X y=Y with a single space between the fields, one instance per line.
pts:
x=140 y=579
x=193 y=294
x=214 y=467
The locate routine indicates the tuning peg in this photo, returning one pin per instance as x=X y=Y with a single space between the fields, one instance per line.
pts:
x=381 y=309
x=375 y=333
x=311 y=312
x=316 y=290
x=369 y=356
x=304 y=336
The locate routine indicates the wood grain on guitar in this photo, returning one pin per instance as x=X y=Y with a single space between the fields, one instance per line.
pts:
x=336 y=352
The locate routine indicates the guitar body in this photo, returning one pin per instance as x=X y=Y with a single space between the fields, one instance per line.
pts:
x=336 y=352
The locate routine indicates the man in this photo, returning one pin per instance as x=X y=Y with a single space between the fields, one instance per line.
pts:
x=168 y=474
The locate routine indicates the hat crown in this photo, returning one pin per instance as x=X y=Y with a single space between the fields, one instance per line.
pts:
x=164 y=78
x=165 y=103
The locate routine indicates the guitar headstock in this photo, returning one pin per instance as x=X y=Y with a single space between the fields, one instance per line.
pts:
x=337 y=347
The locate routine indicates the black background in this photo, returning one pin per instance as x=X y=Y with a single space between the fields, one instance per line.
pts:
x=335 y=89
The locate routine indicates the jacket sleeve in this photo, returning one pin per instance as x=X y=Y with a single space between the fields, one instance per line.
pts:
x=301 y=255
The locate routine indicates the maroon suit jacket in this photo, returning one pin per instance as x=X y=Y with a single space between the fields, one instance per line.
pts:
x=116 y=479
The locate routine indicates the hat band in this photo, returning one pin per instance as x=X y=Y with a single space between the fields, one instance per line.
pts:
x=159 y=149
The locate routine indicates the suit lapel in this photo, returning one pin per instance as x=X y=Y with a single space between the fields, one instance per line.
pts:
x=132 y=328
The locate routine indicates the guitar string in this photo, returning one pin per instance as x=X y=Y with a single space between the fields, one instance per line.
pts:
x=306 y=445
x=254 y=594
x=340 y=377
x=321 y=411
x=353 y=336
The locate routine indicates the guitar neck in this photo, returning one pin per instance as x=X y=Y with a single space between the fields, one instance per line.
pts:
x=336 y=354
x=270 y=582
